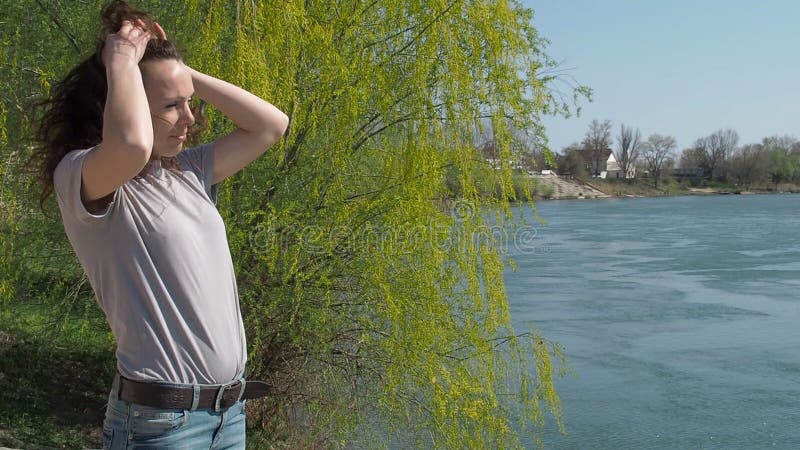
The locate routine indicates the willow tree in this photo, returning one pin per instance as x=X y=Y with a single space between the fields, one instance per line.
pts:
x=370 y=267
x=39 y=42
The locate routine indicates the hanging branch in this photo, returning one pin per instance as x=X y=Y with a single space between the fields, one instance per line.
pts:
x=60 y=27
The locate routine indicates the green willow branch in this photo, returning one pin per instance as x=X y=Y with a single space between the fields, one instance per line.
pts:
x=396 y=185
x=498 y=341
x=60 y=27
x=422 y=31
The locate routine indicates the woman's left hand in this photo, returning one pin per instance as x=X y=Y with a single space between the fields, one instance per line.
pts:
x=159 y=32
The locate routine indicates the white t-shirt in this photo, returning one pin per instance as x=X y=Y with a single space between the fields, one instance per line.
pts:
x=159 y=263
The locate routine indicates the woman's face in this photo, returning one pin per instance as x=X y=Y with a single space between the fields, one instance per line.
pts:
x=168 y=85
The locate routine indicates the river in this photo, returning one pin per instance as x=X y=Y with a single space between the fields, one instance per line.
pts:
x=680 y=319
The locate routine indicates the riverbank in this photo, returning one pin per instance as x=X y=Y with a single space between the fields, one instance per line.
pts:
x=559 y=188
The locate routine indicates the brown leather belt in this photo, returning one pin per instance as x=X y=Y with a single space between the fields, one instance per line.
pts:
x=216 y=397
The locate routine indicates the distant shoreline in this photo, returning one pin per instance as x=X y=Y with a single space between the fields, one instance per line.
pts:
x=558 y=188
x=686 y=193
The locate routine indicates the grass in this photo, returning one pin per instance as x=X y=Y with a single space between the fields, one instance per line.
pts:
x=55 y=371
x=639 y=187
x=56 y=367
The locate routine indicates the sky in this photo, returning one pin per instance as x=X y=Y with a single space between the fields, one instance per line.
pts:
x=677 y=67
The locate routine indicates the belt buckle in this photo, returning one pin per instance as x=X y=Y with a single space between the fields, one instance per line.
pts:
x=218 y=402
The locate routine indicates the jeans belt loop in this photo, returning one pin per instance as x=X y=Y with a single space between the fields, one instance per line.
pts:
x=241 y=389
x=117 y=384
x=195 y=397
x=221 y=393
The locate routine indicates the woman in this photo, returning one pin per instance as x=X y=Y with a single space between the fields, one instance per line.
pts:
x=140 y=213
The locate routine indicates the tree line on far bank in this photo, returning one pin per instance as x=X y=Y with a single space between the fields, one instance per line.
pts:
x=715 y=158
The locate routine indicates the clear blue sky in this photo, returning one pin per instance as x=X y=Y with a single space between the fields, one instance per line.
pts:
x=678 y=67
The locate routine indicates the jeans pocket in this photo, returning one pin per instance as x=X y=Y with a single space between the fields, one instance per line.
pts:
x=114 y=424
x=108 y=437
x=151 y=422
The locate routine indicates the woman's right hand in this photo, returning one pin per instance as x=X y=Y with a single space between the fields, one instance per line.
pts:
x=129 y=42
x=127 y=142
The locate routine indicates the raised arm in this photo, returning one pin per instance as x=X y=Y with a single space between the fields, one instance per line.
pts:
x=127 y=128
x=259 y=124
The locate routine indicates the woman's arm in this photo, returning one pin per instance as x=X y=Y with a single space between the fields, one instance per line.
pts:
x=127 y=128
x=260 y=124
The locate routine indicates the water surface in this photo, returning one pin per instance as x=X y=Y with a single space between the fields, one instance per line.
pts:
x=680 y=318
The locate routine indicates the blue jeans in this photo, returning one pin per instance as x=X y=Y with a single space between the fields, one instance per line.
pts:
x=131 y=426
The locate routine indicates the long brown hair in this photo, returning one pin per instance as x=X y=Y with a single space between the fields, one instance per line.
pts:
x=72 y=117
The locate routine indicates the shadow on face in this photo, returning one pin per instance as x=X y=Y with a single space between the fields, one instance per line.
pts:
x=169 y=89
